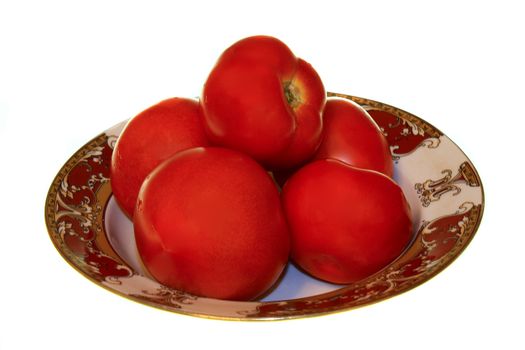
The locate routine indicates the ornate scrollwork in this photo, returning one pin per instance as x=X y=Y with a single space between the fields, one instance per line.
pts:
x=431 y=190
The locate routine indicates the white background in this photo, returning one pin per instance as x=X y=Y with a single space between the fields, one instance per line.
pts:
x=71 y=69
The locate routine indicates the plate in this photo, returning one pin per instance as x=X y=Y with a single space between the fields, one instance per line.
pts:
x=441 y=184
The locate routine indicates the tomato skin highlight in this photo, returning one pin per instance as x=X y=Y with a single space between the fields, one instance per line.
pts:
x=148 y=139
x=209 y=221
x=346 y=223
x=352 y=136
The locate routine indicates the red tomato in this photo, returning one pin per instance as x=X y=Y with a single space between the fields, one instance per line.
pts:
x=148 y=139
x=264 y=101
x=346 y=223
x=209 y=221
x=352 y=136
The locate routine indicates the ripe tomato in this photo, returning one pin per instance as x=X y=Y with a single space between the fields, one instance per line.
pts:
x=346 y=223
x=264 y=101
x=148 y=139
x=209 y=221
x=352 y=136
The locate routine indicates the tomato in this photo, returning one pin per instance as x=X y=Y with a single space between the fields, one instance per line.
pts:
x=148 y=139
x=209 y=221
x=264 y=101
x=346 y=223
x=352 y=136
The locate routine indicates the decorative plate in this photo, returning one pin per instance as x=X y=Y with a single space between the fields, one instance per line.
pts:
x=440 y=183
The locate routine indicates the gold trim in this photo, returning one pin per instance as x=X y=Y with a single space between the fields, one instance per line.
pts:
x=469 y=174
x=428 y=128
x=51 y=199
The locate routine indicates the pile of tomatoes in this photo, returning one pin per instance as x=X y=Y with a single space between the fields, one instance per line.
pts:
x=223 y=191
